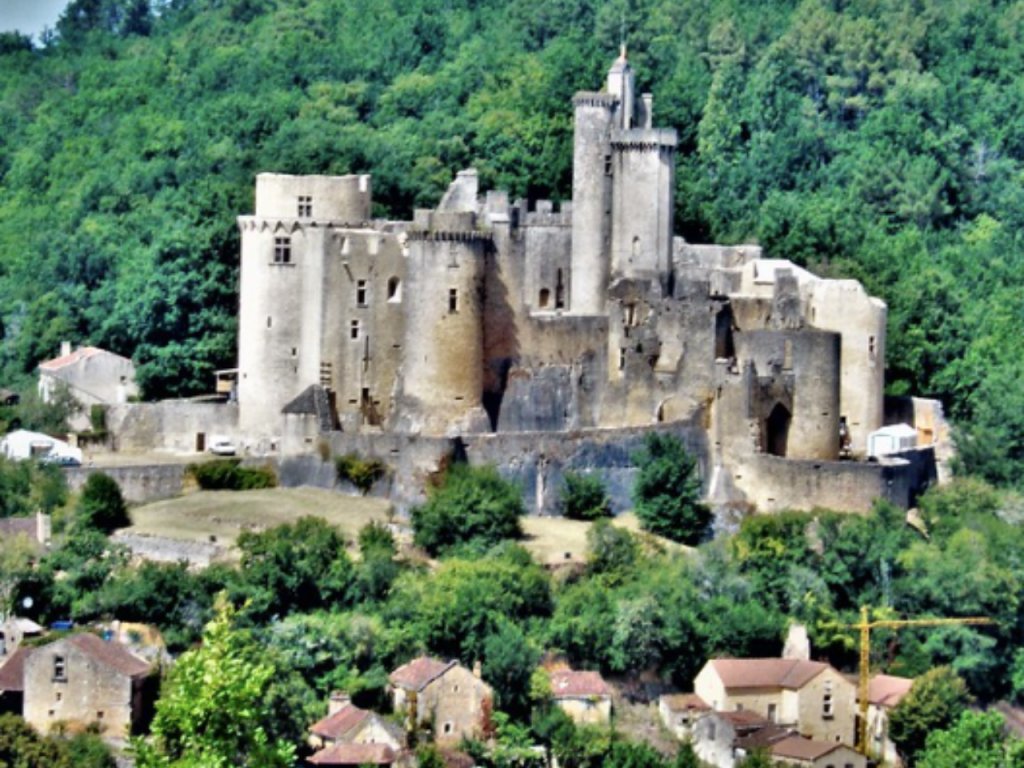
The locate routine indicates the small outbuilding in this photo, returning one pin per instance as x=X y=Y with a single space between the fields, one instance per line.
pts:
x=894 y=438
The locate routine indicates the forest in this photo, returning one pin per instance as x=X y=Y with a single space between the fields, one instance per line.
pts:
x=875 y=139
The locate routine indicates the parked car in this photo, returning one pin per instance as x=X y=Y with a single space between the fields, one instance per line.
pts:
x=222 y=446
x=61 y=460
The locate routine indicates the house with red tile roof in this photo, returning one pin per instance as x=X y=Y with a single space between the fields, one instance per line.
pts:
x=81 y=680
x=445 y=694
x=810 y=697
x=355 y=755
x=583 y=696
x=93 y=376
x=346 y=723
x=808 y=753
x=884 y=693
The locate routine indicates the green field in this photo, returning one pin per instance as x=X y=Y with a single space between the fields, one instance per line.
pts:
x=224 y=514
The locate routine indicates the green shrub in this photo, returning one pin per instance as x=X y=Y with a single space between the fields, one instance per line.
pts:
x=362 y=473
x=230 y=475
x=101 y=505
x=584 y=498
x=667 y=491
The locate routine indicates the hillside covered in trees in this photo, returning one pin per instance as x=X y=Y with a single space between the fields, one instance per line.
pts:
x=878 y=139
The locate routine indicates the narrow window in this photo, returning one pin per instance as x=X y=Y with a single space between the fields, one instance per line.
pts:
x=270 y=321
x=771 y=713
x=827 y=705
x=447 y=727
x=305 y=206
x=711 y=731
x=394 y=289
x=622 y=358
x=544 y=297
x=282 y=250
x=453 y=300
x=871 y=347
x=607 y=165
x=559 y=292
x=360 y=293
x=354 y=330
x=60 y=672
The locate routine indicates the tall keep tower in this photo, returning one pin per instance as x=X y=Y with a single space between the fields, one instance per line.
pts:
x=623 y=183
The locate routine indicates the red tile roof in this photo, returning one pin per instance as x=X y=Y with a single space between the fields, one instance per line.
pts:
x=767 y=673
x=888 y=690
x=12 y=673
x=79 y=354
x=569 y=683
x=354 y=754
x=111 y=654
x=335 y=727
x=419 y=672
x=799 y=748
x=681 y=702
x=745 y=719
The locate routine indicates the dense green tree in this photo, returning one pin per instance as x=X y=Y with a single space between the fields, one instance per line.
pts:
x=667 y=490
x=213 y=710
x=934 y=703
x=101 y=506
x=474 y=507
x=508 y=662
x=974 y=740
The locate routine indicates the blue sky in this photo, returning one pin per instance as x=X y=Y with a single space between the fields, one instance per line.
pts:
x=29 y=16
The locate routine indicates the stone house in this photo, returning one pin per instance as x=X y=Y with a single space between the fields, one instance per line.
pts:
x=81 y=680
x=679 y=712
x=884 y=693
x=92 y=375
x=12 y=682
x=355 y=754
x=583 y=696
x=809 y=697
x=451 y=699
x=35 y=529
x=716 y=735
x=12 y=631
x=346 y=723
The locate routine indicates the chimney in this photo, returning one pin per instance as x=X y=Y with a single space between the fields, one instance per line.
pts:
x=337 y=702
x=65 y=348
x=798 y=645
x=648 y=110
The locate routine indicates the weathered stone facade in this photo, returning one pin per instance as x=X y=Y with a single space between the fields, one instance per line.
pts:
x=485 y=316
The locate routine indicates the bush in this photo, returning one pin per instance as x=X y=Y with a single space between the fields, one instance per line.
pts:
x=474 y=506
x=362 y=473
x=101 y=505
x=230 y=475
x=584 y=498
x=667 y=491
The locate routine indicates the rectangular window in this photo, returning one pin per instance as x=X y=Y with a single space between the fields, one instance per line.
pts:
x=622 y=358
x=305 y=206
x=282 y=250
x=360 y=293
x=827 y=704
x=607 y=165
x=453 y=300
x=354 y=329
x=771 y=713
x=60 y=670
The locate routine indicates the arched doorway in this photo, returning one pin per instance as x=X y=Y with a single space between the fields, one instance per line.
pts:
x=776 y=430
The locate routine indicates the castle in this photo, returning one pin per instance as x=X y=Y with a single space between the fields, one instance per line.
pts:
x=490 y=317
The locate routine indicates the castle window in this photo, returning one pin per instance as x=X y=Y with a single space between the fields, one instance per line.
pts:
x=545 y=297
x=354 y=330
x=622 y=358
x=559 y=292
x=871 y=347
x=453 y=300
x=394 y=290
x=607 y=165
x=305 y=206
x=282 y=250
x=60 y=669
x=360 y=293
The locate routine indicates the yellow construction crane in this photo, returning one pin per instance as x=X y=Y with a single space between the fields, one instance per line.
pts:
x=864 y=672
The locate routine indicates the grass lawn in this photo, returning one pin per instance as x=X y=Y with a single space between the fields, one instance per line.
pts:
x=550 y=539
x=225 y=514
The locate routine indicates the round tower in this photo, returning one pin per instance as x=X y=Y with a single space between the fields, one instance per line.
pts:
x=443 y=361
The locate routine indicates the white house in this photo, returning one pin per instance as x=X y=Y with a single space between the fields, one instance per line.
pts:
x=93 y=376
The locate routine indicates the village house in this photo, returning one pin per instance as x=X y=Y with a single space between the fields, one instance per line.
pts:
x=93 y=376
x=884 y=693
x=346 y=723
x=355 y=754
x=810 y=697
x=679 y=712
x=81 y=680
x=716 y=735
x=12 y=682
x=13 y=630
x=808 y=753
x=443 y=694
x=584 y=696
x=35 y=529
